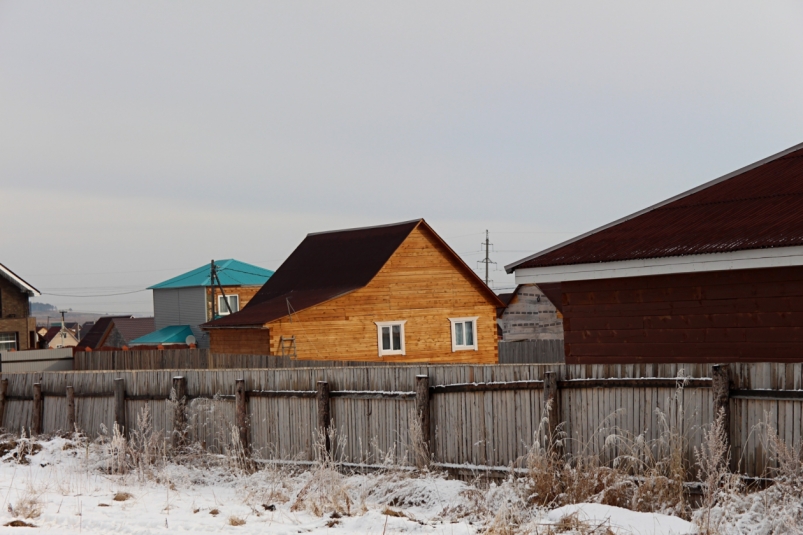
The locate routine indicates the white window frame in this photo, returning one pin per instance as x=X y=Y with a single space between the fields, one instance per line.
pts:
x=14 y=338
x=455 y=347
x=221 y=307
x=385 y=352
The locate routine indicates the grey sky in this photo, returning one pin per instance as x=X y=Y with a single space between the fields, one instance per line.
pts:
x=141 y=139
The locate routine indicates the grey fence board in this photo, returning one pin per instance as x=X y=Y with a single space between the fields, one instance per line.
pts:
x=531 y=351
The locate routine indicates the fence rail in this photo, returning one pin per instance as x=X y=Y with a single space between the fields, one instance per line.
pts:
x=478 y=416
x=527 y=352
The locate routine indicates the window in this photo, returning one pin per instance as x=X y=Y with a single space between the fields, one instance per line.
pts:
x=234 y=303
x=390 y=337
x=464 y=333
x=8 y=342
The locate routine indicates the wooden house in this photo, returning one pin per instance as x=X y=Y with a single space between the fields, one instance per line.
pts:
x=711 y=275
x=17 y=326
x=394 y=293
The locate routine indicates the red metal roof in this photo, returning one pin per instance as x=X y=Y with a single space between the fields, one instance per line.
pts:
x=759 y=206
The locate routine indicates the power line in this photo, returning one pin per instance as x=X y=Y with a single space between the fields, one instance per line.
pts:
x=98 y=295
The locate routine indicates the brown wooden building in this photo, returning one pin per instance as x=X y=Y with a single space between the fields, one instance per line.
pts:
x=394 y=293
x=17 y=326
x=712 y=275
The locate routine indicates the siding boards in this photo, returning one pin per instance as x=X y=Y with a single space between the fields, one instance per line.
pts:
x=740 y=315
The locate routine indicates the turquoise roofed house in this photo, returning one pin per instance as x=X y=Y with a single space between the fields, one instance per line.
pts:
x=193 y=298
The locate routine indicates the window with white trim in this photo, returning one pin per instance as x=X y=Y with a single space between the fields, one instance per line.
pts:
x=8 y=342
x=464 y=333
x=390 y=337
x=234 y=303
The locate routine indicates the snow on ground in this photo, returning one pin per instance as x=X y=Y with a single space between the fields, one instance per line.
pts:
x=623 y=521
x=69 y=484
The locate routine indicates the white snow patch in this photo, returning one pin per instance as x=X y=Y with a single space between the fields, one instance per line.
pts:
x=623 y=521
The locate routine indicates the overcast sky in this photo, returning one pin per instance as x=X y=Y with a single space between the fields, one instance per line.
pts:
x=139 y=140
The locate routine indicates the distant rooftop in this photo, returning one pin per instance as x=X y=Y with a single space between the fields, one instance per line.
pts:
x=231 y=272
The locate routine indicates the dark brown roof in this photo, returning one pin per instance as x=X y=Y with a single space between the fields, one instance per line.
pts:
x=759 y=206
x=98 y=333
x=133 y=328
x=51 y=333
x=324 y=266
x=506 y=297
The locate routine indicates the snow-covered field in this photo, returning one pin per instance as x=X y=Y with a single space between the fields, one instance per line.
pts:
x=64 y=486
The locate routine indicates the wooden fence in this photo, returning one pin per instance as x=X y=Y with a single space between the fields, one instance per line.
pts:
x=484 y=417
x=532 y=352
x=527 y=352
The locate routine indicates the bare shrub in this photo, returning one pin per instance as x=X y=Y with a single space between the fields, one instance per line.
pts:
x=418 y=445
x=145 y=446
x=29 y=504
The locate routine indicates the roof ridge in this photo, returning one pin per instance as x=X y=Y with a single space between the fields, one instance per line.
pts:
x=739 y=199
x=366 y=228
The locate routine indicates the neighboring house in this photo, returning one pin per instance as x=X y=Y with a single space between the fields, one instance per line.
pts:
x=54 y=338
x=394 y=292
x=17 y=326
x=115 y=332
x=711 y=275
x=187 y=299
x=529 y=315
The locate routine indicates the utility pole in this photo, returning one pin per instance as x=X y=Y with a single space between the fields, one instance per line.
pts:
x=487 y=260
x=63 y=331
x=212 y=286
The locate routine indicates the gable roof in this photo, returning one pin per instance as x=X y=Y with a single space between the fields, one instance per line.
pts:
x=327 y=265
x=231 y=272
x=54 y=331
x=133 y=328
x=17 y=280
x=758 y=206
x=99 y=332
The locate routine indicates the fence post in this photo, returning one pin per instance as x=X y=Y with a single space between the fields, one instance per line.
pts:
x=71 y=409
x=119 y=404
x=422 y=409
x=324 y=415
x=720 y=383
x=3 y=392
x=241 y=411
x=36 y=418
x=551 y=405
x=179 y=414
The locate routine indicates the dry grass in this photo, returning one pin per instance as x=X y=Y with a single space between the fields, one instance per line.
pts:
x=326 y=490
x=236 y=521
x=29 y=504
x=122 y=496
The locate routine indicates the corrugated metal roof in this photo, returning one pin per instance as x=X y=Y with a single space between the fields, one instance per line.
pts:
x=173 y=334
x=231 y=272
x=324 y=266
x=760 y=206
x=327 y=265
